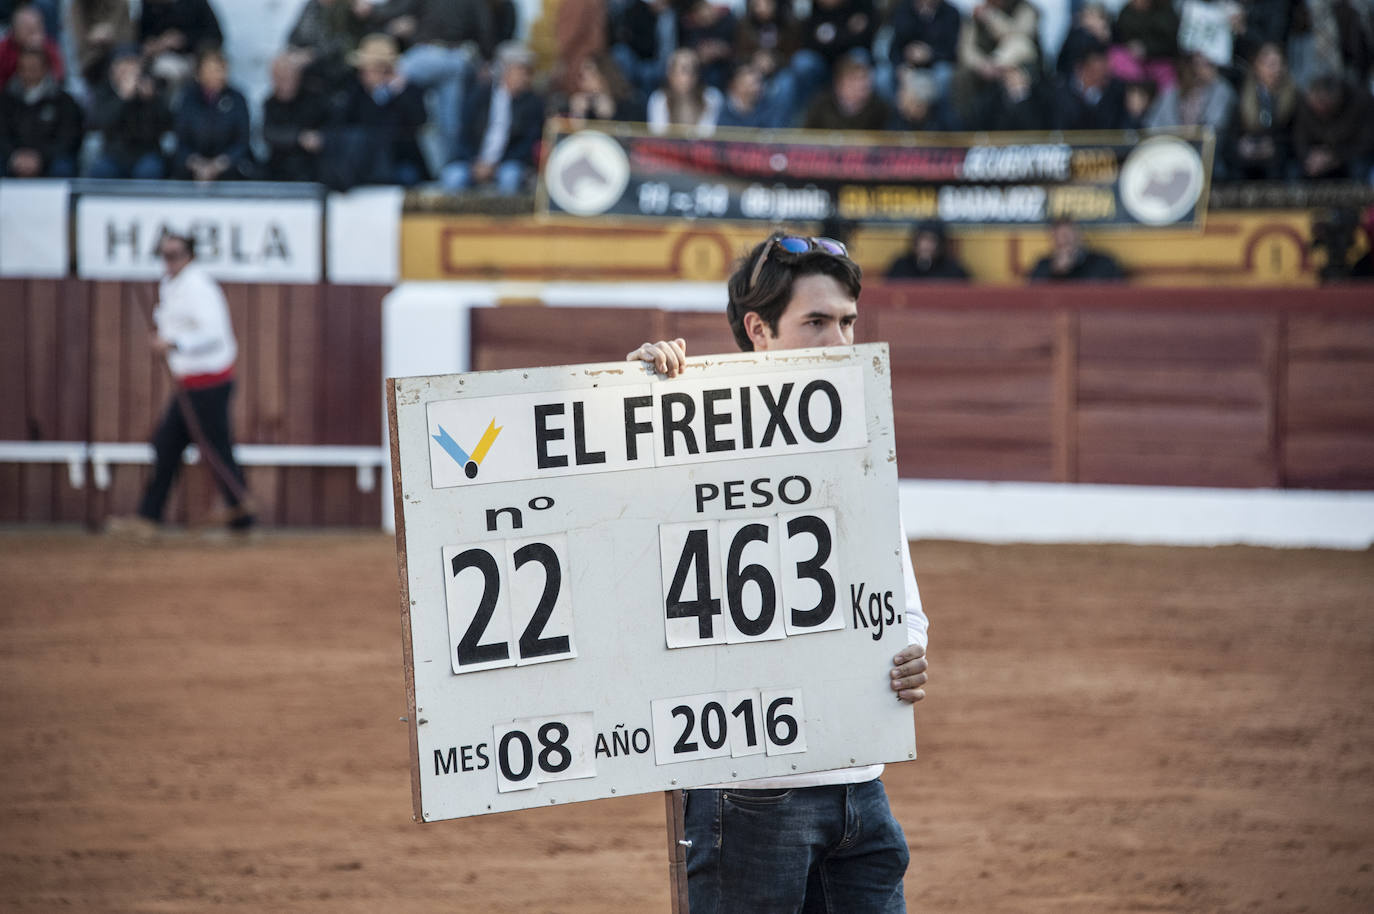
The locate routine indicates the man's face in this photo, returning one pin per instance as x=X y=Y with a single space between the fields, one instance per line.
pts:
x=174 y=255
x=854 y=88
x=28 y=29
x=820 y=313
x=286 y=80
x=516 y=77
x=1064 y=237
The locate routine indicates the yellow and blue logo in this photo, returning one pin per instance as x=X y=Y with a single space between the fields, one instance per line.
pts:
x=469 y=462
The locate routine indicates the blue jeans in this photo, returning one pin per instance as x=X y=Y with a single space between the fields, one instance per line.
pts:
x=509 y=177
x=833 y=849
x=447 y=71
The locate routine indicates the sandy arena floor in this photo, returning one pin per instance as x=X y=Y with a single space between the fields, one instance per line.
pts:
x=197 y=727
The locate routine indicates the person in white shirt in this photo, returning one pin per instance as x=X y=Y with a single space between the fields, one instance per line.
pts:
x=827 y=840
x=685 y=101
x=194 y=335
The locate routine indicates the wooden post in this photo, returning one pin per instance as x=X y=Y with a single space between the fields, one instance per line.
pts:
x=677 y=851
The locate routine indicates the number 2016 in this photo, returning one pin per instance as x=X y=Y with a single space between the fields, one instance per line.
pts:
x=717 y=724
x=495 y=589
x=786 y=562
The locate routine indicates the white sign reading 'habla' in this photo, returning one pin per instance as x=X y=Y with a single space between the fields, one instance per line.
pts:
x=618 y=583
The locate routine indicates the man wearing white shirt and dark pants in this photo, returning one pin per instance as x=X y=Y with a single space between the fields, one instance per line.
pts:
x=195 y=336
x=824 y=841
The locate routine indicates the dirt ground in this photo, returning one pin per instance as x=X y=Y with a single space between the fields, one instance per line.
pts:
x=199 y=726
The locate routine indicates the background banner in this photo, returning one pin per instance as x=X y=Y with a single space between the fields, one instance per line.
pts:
x=1115 y=179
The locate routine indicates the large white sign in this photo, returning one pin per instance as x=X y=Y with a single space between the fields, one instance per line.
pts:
x=618 y=584
x=236 y=240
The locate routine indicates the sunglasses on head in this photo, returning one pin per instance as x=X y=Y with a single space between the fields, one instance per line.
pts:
x=796 y=244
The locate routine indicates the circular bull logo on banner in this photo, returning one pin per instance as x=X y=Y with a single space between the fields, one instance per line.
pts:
x=587 y=173
x=1161 y=180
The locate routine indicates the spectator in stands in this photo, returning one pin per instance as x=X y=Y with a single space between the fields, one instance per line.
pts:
x=767 y=36
x=293 y=124
x=851 y=103
x=642 y=38
x=212 y=125
x=684 y=101
x=97 y=28
x=1070 y=261
x=925 y=37
x=28 y=33
x=579 y=34
x=928 y=257
x=918 y=108
x=447 y=39
x=1091 y=27
x=40 y=125
x=709 y=29
x=1260 y=144
x=1200 y=98
x=1018 y=102
x=601 y=94
x=507 y=121
x=325 y=33
x=1146 y=42
x=50 y=10
x=1333 y=131
x=174 y=33
x=1092 y=99
x=836 y=28
x=131 y=111
x=998 y=36
x=743 y=105
x=1256 y=23
x=378 y=119
x=1137 y=99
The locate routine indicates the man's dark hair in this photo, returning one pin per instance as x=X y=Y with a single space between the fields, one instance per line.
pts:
x=770 y=295
x=188 y=239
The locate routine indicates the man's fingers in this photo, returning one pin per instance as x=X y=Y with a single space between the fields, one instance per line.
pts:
x=910 y=652
x=669 y=357
x=911 y=696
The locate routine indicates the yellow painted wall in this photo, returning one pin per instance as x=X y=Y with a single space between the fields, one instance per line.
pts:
x=1252 y=247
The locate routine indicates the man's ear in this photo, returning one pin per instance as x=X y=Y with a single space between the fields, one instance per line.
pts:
x=757 y=330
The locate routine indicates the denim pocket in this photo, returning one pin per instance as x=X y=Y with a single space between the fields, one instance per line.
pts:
x=758 y=797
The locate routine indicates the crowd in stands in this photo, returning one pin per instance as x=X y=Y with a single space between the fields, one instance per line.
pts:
x=409 y=91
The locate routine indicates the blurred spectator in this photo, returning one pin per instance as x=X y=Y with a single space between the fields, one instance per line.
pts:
x=449 y=41
x=1260 y=144
x=743 y=105
x=601 y=93
x=131 y=112
x=1259 y=22
x=378 y=119
x=1091 y=27
x=851 y=104
x=325 y=33
x=50 y=10
x=928 y=257
x=709 y=29
x=28 y=33
x=642 y=38
x=1333 y=131
x=1201 y=98
x=835 y=29
x=174 y=32
x=684 y=101
x=40 y=125
x=918 y=107
x=1017 y=102
x=293 y=124
x=96 y=28
x=925 y=37
x=1070 y=261
x=507 y=121
x=212 y=125
x=579 y=34
x=1146 y=42
x=1137 y=99
x=767 y=36
x=998 y=36
x=1092 y=99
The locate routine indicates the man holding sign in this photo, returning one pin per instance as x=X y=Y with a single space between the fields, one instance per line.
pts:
x=826 y=840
